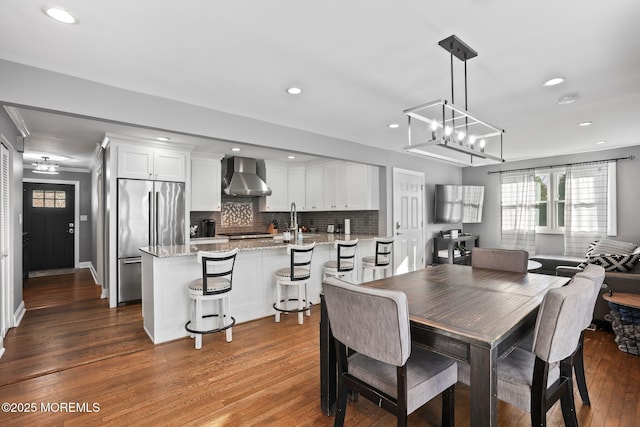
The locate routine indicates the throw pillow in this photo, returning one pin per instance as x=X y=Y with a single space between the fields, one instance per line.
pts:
x=614 y=262
x=587 y=254
x=591 y=247
x=610 y=246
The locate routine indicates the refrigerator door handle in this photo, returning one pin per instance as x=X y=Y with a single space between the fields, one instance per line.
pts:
x=132 y=261
x=152 y=240
x=156 y=208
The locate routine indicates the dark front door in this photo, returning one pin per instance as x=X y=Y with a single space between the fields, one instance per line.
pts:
x=49 y=220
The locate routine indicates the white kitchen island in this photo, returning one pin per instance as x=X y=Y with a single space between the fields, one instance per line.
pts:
x=167 y=270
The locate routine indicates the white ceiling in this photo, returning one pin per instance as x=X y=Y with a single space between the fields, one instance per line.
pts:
x=360 y=64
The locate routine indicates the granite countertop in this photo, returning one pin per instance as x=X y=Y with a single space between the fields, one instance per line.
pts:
x=247 y=244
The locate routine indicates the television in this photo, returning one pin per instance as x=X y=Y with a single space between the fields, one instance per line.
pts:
x=455 y=204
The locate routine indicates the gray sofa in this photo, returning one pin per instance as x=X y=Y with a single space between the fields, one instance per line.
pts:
x=614 y=281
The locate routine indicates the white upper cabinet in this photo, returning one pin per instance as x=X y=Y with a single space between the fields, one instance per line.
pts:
x=170 y=165
x=206 y=183
x=287 y=184
x=139 y=162
x=361 y=187
x=296 y=187
x=331 y=183
x=350 y=186
x=314 y=188
x=275 y=175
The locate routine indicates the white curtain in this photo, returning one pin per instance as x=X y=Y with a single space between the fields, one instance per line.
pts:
x=586 y=207
x=518 y=208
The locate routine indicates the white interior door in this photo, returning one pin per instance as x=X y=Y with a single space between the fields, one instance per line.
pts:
x=6 y=306
x=408 y=224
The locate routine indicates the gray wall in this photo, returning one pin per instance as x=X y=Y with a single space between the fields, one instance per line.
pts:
x=628 y=200
x=33 y=87
x=85 y=228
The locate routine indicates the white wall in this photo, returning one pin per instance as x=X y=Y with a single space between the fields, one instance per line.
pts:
x=628 y=197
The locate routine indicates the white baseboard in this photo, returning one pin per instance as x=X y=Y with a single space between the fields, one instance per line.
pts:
x=19 y=314
x=94 y=273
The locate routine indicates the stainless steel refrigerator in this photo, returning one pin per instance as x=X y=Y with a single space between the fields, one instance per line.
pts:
x=149 y=213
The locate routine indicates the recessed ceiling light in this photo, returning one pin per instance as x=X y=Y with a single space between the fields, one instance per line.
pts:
x=291 y=157
x=568 y=99
x=583 y=124
x=394 y=125
x=554 y=81
x=601 y=142
x=163 y=138
x=235 y=149
x=59 y=14
x=294 y=91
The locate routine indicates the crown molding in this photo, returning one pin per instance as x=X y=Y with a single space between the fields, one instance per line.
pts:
x=18 y=121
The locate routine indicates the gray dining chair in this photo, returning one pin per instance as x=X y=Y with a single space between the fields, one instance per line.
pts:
x=596 y=274
x=381 y=364
x=500 y=259
x=534 y=381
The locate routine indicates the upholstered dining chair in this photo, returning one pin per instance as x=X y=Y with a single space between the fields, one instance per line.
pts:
x=500 y=259
x=534 y=381
x=383 y=366
x=596 y=274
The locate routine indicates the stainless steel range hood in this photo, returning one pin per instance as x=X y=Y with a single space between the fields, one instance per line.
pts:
x=242 y=180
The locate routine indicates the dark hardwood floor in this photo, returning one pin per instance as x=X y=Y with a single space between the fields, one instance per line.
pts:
x=71 y=348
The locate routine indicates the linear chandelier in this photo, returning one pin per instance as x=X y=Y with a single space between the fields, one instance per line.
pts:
x=442 y=130
x=45 y=166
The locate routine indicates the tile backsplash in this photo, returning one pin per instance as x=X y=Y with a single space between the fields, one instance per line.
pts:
x=237 y=214
x=243 y=215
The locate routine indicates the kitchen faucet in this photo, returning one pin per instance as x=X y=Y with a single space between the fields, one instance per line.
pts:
x=293 y=220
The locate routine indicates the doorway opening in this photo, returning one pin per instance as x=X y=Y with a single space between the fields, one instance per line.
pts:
x=51 y=213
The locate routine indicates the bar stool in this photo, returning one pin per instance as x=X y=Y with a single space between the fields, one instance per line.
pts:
x=381 y=261
x=345 y=261
x=296 y=275
x=215 y=285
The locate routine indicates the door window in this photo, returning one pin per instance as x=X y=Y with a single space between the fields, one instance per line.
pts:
x=49 y=199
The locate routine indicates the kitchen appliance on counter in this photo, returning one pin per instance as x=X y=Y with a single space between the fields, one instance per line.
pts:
x=209 y=228
x=330 y=228
x=246 y=235
x=149 y=213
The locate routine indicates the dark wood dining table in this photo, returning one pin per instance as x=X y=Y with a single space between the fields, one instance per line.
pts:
x=470 y=314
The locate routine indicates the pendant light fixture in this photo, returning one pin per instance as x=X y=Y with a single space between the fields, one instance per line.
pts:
x=442 y=130
x=45 y=166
